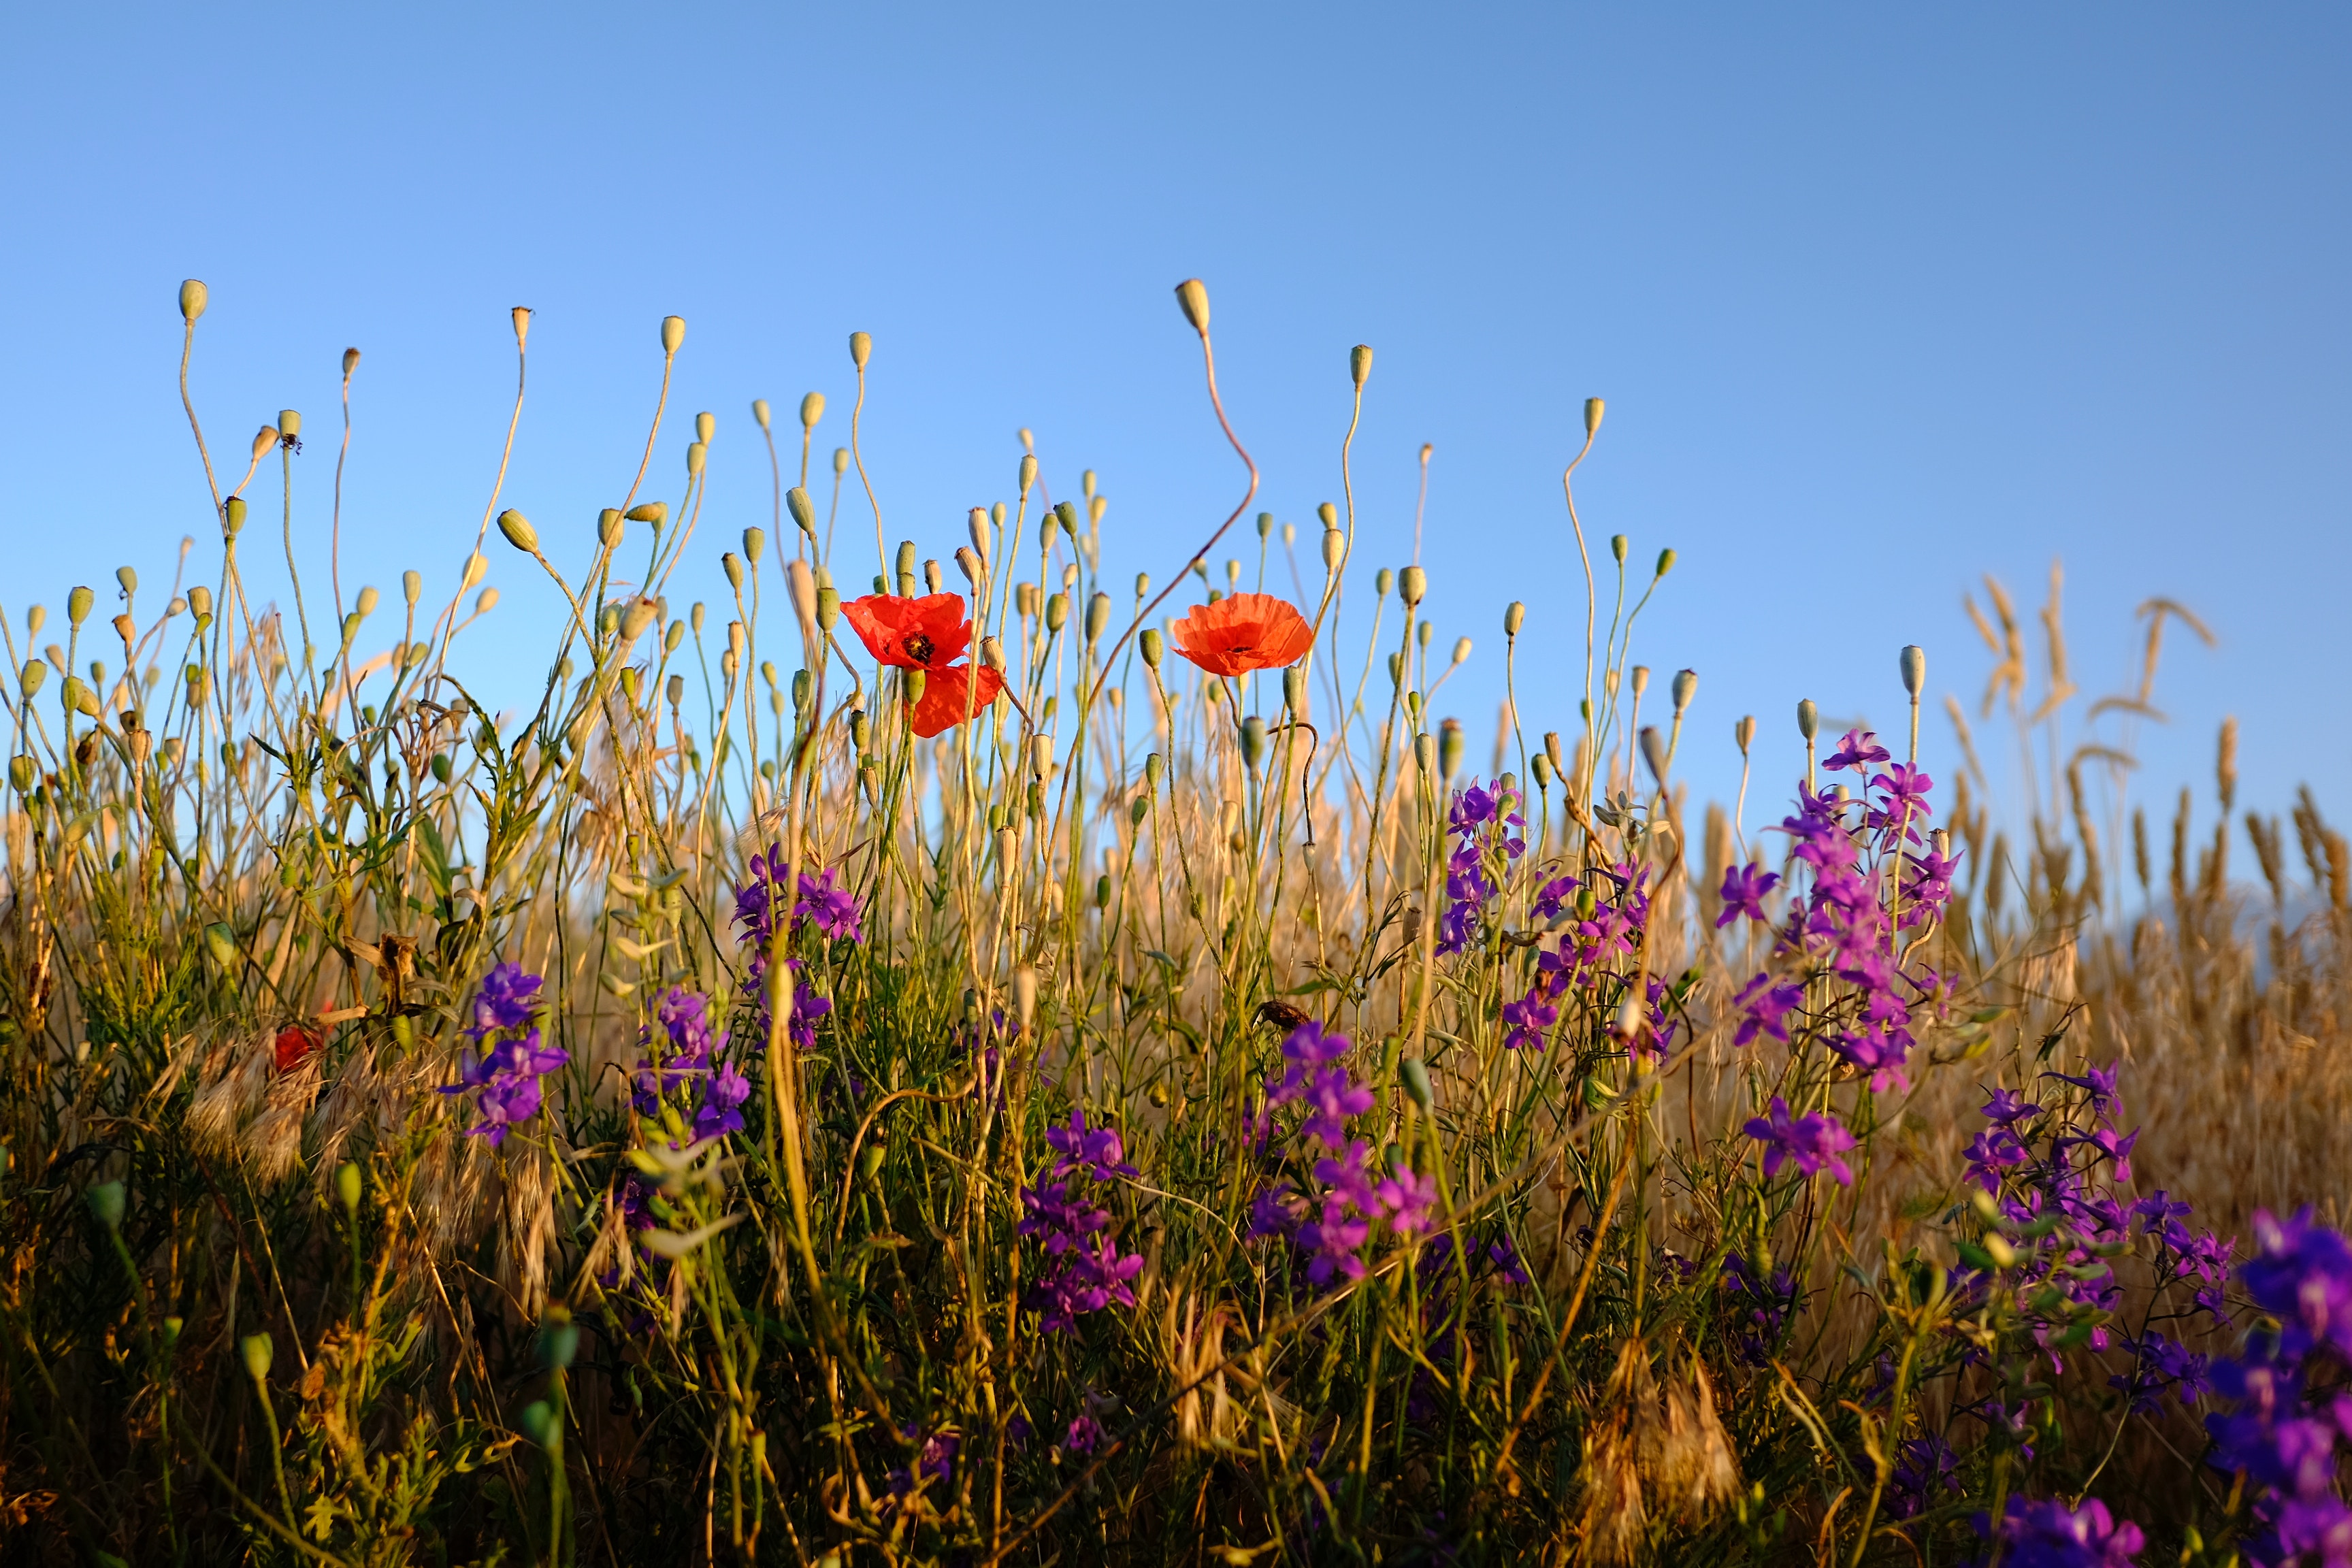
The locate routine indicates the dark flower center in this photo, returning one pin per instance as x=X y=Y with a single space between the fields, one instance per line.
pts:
x=919 y=649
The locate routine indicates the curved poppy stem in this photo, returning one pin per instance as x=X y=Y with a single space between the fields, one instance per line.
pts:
x=1209 y=365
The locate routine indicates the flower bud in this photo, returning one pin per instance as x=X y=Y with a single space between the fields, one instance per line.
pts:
x=1154 y=767
x=78 y=604
x=350 y=362
x=1266 y=525
x=673 y=334
x=1685 y=686
x=35 y=616
x=412 y=586
x=470 y=573
x=1334 y=549
x=22 y=772
x=541 y=1425
x=1294 y=691
x=1514 y=616
x=905 y=559
x=828 y=609
x=759 y=412
x=1745 y=732
x=696 y=454
x=1413 y=583
x=264 y=441
x=1098 y=618
x=801 y=582
x=1058 y=612
x=1382 y=581
x=347 y=1186
x=610 y=528
x=1653 y=751
x=705 y=424
x=1424 y=752
x=732 y=564
x=695 y=617
x=1618 y=546
x=1665 y=562
x=106 y=1204
x=1449 y=748
x=80 y=698
x=1192 y=299
x=1150 y=643
x=257 y=1353
x=233 y=516
x=840 y=461
x=1807 y=718
x=861 y=349
x=1024 y=997
x=1360 y=363
x=1253 y=739
x=755 y=544
x=797 y=502
x=1413 y=1073
x=367 y=602
x=653 y=511
x=1328 y=514
x=193 y=298
x=812 y=410
x=1540 y=765
x=1914 y=664
x=519 y=531
x=1591 y=417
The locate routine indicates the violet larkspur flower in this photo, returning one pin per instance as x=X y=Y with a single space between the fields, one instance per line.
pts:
x=1744 y=891
x=830 y=907
x=1813 y=1141
x=1927 y=1467
x=1085 y=1434
x=1903 y=803
x=1527 y=1019
x=2300 y=1274
x=505 y=1077
x=1763 y=1007
x=2048 y=1534
x=1407 y=1199
x=1097 y=1151
x=1859 y=749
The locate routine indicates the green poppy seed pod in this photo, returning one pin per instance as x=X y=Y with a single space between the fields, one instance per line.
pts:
x=194 y=296
x=653 y=511
x=991 y=654
x=732 y=564
x=1593 y=408
x=1382 y=581
x=1192 y=299
x=1068 y=514
x=1360 y=363
x=347 y=1186
x=486 y=601
x=673 y=334
x=257 y=1353
x=1334 y=549
x=519 y=531
x=1641 y=678
x=36 y=617
x=22 y=773
x=1098 y=618
x=861 y=728
x=840 y=461
x=1461 y=650
x=1540 y=765
x=705 y=424
x=1412 y=583
x=1154 y=767
x=1808 y=719
x=289 y=423
x=696 y=454
x=1142 y=586
x=1618 y=546
x=412 y=586
x=351 y=628
x=367 y=600
x=1914 y=664
x=804 y=686
x=759 y=412
x=1514 y=616
x=1266 y=525
x=1665 y=562
x=828 y=609
x=610 y=527
x=674 y=638
x=1424 y=752
x=105 y=1204
x=1414 y=1074
x=1685 y=686
x=812 y=410
x=1653 y=751
x=914 y=681
x=34 y=676
x=797 y=502
x=1396 y=670
x=1058 y=612
x=1294 y=691
x=220 y=941
x=861 y=349
x=1328 y=514
x=695 y=617
x=1150 y=644
x=608 y=620
x=1253 y=739
x=1745 y=732
x=233 y=516
x=78 y=604
x=755 y=544
x=1449 y=749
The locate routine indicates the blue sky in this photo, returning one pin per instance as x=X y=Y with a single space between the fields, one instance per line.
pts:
x=1880 y=298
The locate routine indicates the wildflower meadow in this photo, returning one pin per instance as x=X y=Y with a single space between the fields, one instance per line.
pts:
x=964 y=1059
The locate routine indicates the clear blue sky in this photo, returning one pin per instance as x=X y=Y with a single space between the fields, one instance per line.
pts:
x=1880 y=298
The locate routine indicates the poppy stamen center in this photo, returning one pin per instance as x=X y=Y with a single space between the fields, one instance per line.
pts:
x=919 y=649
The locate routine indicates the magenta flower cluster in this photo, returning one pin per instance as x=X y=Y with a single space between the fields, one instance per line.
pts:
x=1084 y=1269
x=690 y=1054
x=503 y=1066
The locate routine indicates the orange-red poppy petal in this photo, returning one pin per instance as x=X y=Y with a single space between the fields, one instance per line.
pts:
x=952 y=695
x=928 y=633
x=1243 y=633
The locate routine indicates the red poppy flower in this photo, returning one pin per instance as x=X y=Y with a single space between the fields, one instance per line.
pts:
x=294 y=1043
x=1245 y=632
x=942 y=705
x=929 y=633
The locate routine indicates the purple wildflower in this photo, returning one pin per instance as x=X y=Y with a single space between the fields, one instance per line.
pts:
x=1744 y=891
x=830 y=907
x=1097 y=1151
x=1813 y=1141
x=1085 y=1434
x=1860 y=748
x=1763 y=1006
x=2048 y=1534
x=1528 y=1018
x=505 y=1077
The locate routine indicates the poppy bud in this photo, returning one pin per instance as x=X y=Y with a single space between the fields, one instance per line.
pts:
x=471 y=572
x=1382 y=581
x=80 y=698
x=264 y=441
x=968 y=563
x=1424 y=752
x=1591 y=417
x=705 y=424
x=1641 y=678
x=22 y=773
x=78 y=604
x=1514 y=616
x=732 y=564
x=1360 y=363
x=1294 y=691
x=1329 y=513
x=412 y=586
x=1653 y=751
x=1540 y=765
x=1334 y=549
x=676 y=690
x=1069 y=517
x=1253 y=739
x=755 y=544
x=797 y=502
x=1413 y=1073
x=1098 y=618
x=812 y=410
x=34 y=676
x=861 y=349
x=1266 y=525
x=1413 y=583
x=1142 y=586
x=759 y=412
x=347 y=1187
x=609 y=527
x=840 y=461
x=1807 y=718
x=1914 y=664
x=1685 y=686
x=519 y=531
x=1461 y=650
x=1665 y=562
x=350 y=361
x=1153 y=767
x=695 y=617
x=653 y=511
x=368 y=600
x=1396 y=670
x=220 y=941
x=1618 y=546
x=913 y=682
x=1192 y=299
x=697 y=454
x=193 y=298
x=1744 y=733
x=906 y=561
x=233 y=516
x=803 y=583
x=828 y=609
x=1150 y=644
x=105 y=1204
x=1449 y=748
x=1058 y=612
x=673 y=334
